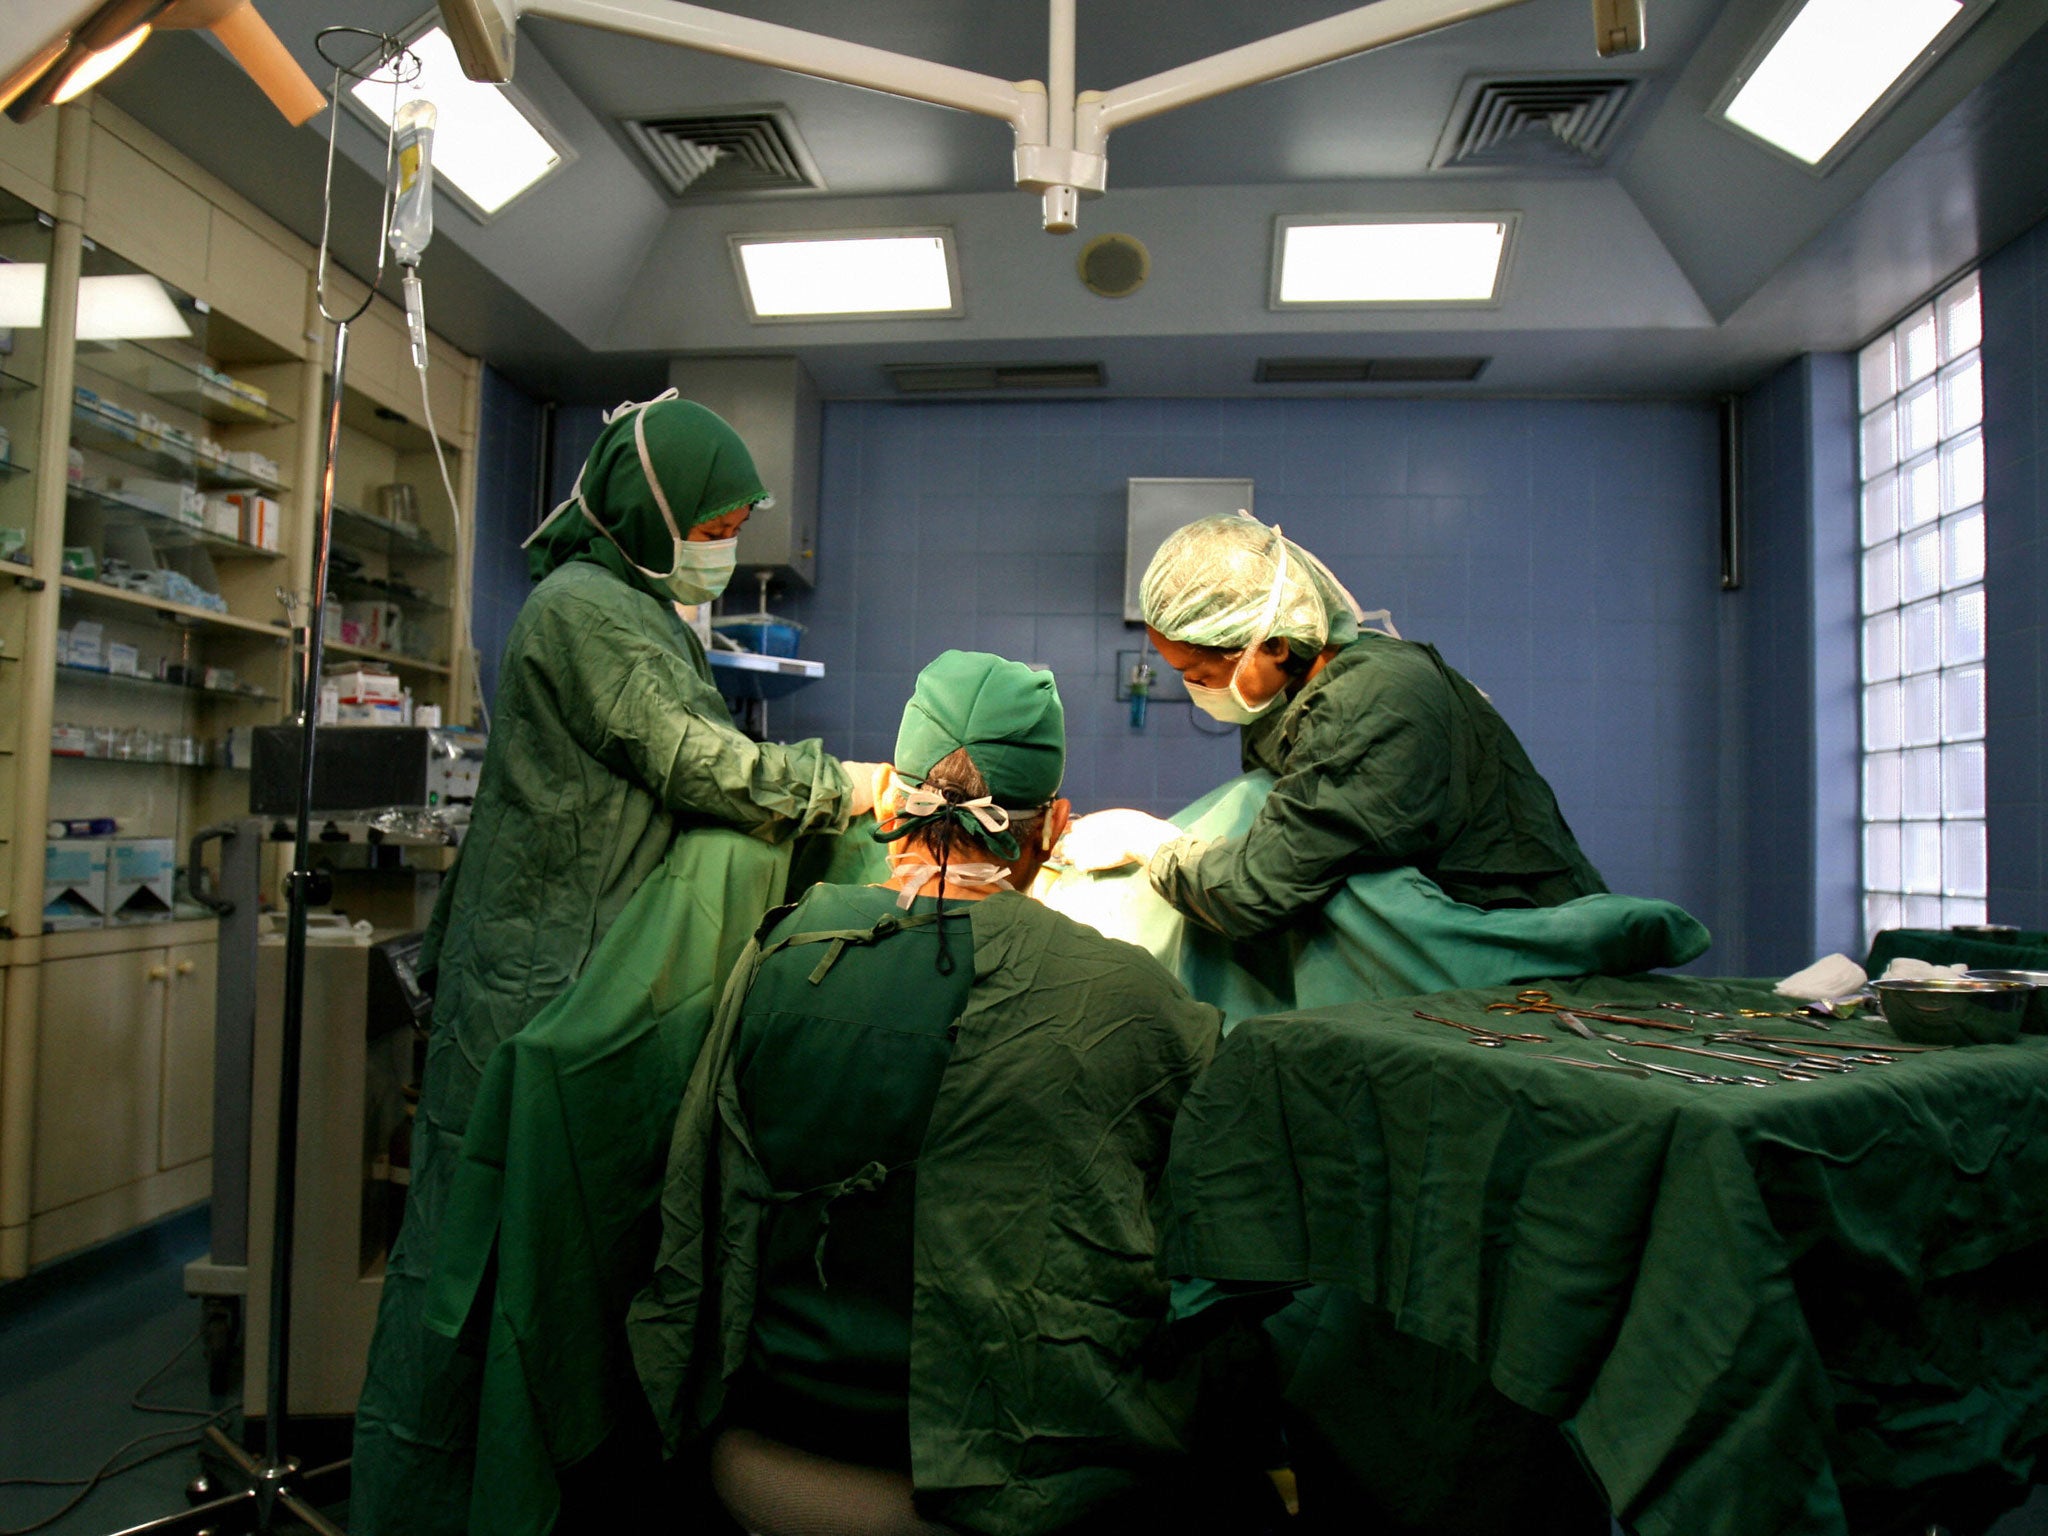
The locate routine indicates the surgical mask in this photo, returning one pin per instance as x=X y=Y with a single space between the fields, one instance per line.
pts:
x=697 y=572
x=1229 y=704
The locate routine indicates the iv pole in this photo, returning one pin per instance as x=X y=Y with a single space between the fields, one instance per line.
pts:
x=274 y=1487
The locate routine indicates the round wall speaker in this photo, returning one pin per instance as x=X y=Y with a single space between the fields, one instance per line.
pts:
x=1114 y=266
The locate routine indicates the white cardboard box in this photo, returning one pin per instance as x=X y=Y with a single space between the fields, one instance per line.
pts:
x=141 y=880
x=74 y=884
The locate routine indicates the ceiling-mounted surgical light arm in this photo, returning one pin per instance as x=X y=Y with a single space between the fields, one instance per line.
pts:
x=1061 y=136
x=101 y=39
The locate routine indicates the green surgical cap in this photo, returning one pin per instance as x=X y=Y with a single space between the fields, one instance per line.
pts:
x=1211 y=584
x=1007 y=716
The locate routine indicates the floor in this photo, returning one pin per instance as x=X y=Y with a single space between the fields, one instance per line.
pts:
x=80 y=1341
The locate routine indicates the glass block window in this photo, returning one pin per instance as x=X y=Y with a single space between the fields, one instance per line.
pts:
x=1921 y=394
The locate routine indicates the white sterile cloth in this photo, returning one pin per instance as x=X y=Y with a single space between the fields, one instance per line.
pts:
x=1829 y=976
x=1906 y=968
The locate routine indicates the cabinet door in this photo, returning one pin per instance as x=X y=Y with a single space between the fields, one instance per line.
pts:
x=188 y=1056
x=99 y=1074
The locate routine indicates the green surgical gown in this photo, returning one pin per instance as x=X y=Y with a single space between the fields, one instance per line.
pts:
x=1036 y=1301
x=609 y=742
x=1387 y=757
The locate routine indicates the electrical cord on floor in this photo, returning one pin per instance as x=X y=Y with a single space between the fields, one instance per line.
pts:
x=181 y=1437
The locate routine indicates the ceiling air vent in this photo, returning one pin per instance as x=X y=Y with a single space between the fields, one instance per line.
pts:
x=1538 y=120
x=731 y=153
x=945 y=378
x=1369 y=370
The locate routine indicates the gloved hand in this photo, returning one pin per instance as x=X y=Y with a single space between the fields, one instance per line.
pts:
x=863 y=777
x=1112 y=839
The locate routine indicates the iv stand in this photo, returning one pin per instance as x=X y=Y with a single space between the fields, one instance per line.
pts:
x=274 y=1485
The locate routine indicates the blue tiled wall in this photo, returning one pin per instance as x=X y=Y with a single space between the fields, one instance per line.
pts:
x=2015 y=289
x=1789 y=729
x=507 y=468
x=1563 y=554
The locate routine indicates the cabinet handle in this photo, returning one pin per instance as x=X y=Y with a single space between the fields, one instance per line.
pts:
x=186 y=967
x=158 y=972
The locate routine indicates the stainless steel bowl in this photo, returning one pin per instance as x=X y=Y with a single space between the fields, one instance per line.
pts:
x=1955 y=1010
x=2036 y=1020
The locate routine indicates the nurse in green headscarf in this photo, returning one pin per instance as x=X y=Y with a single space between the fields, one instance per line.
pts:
x=1382 y=755
x=609 y=739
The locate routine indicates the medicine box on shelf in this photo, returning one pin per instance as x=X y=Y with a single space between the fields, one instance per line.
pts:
x=74 y=884
x=141 y=880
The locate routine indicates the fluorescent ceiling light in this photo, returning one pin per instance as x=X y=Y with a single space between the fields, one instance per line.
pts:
x=897 y=274
x=1830 y=67
x=21 y=295
x=1453 y=262
x=485 y=146
x=126 y=309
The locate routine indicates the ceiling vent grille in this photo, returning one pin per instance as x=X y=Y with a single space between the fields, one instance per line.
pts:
x=949 y=378
x=1535 y=121
x=1369 y=370
x=735 y=153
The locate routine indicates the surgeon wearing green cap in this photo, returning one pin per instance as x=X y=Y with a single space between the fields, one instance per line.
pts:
x=1383 y=755
x=905 y=1244
x=609 y=740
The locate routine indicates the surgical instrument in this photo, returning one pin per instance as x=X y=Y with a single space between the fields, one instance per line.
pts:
x=1801 y=1016
x=1781 y=1045
x=1883 y=1047
x=1791 y=1072
x=1632 y=1069
x=1718 y=1079
x=1536 y=1000
x=1480 y=1035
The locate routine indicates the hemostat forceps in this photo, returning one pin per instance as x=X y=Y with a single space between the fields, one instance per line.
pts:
x=1481 y=1035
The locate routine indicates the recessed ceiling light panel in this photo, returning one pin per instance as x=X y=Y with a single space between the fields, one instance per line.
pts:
x=489 y=146
x=849 y=275
x=1430 y=260
x=1831 y=65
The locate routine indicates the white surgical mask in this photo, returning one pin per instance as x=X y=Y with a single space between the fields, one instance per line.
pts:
x=698 y=571
x=1229 y=704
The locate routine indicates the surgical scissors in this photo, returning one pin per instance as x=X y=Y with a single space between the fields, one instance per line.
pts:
x=1536 y=1000
x=1482 y=1036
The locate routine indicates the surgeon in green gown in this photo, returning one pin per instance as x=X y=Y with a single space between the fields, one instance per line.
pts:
x=907 y=1251
x=609 y=741
x=1383 y=754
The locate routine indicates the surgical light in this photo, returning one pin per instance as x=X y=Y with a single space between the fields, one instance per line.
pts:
x=96 y=66
x=1830 y=66
x=487 y=150
x=847 y=276
x=1385 y=261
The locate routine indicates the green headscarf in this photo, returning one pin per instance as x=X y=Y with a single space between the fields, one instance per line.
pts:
x=705 y=472
x=1211 y=584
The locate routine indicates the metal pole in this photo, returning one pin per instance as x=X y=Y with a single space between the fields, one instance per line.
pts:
x=278 y=1379
x=1270 y=58
x=803 y=53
